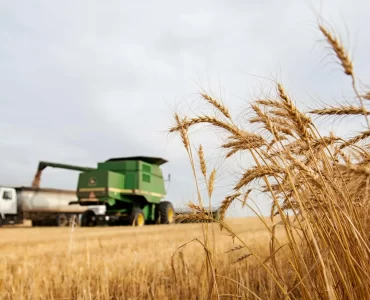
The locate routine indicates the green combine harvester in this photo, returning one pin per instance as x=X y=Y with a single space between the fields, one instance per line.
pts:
x=127 y=190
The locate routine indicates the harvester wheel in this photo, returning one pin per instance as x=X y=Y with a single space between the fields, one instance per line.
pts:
x=166 y=212
x=87 y=219
x=137 y=217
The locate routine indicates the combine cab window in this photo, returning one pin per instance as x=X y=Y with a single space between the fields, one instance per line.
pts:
x=147 y=172
x=146 y=178
x=147 y=168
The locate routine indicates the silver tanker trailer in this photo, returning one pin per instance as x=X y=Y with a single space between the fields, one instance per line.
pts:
x=50 y=207
x=42 y=206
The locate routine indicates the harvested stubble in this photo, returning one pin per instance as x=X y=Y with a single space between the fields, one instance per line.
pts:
x=322 y=180
x=123 y=263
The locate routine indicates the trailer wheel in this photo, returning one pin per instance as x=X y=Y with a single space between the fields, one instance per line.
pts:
x=62 y=220
x=35 y=223
x=166 y=212
x=137 y=217
x=87 y=219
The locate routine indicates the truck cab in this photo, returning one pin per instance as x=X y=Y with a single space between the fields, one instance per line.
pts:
x=8 y=206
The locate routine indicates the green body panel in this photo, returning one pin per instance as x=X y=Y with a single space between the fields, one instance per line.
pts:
x=141 y=177
x=101 y=184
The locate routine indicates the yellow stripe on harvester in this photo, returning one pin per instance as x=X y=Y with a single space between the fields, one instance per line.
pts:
x=89 y=200
x=91 y=190
x=123 y=191
x=120 y=190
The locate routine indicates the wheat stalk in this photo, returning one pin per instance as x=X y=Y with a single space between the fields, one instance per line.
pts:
x=183 y=131
x=223 y=109
x=356 y=139
x=340 y=111
x=211 y=182
x=193 y=217
x=202 y=161
x=225 y=205
x=339 y=50
x=196 y=207
x=256 y=173
x=366 y=96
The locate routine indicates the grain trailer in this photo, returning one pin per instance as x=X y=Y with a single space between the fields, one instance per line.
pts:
x=50 y=207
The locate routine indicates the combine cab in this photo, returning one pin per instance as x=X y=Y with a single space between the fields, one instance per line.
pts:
x=119 y=191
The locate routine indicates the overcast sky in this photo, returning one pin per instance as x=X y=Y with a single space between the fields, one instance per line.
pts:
x=83 y=81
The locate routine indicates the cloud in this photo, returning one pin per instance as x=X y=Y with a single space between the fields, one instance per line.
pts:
x=85 y=81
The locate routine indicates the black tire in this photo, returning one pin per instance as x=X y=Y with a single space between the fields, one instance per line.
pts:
x=35 y=223
x=137 y=217
x=87 y=219
x=62 y=220
x=166 y=213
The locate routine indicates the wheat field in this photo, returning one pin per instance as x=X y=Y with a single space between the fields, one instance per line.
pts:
x=315 y=245
x=124 y=262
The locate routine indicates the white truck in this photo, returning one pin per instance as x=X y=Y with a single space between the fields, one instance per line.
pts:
x=50 y=207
